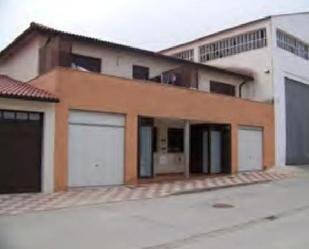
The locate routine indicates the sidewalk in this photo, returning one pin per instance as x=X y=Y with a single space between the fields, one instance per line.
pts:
x=23 y=203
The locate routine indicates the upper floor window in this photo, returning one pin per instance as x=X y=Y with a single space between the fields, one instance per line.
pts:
x=222 y=88
x=292 y=44
x=185 y=55
x=233 y=45
x=86 y=63
x=140 y=72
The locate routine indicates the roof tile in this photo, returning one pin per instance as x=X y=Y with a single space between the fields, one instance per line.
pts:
x=11 y=88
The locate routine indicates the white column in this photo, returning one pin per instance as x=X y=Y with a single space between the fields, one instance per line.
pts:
x=187 y=148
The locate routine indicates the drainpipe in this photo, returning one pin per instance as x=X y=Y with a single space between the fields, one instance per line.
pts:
x=240 y=87
x=187 y=148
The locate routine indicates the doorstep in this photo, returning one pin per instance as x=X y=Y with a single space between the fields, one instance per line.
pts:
x=13 y=204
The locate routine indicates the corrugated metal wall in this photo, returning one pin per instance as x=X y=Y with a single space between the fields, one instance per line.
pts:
x=297 y=122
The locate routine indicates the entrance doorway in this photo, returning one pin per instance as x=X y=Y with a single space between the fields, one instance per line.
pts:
x=163 y=153
x=210 y=149
x=161 y=147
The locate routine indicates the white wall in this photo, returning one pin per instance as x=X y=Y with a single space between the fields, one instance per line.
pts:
x=287 y=64
x=205 y=78
x=119 y=63
x=255 y=62
x=48 y=135
x=280 y=63
x=23 y=65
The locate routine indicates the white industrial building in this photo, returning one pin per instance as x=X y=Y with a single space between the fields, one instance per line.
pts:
x=274 y=50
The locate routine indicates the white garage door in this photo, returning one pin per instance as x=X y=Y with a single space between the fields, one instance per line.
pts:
x=96 y=149
x=250 y=148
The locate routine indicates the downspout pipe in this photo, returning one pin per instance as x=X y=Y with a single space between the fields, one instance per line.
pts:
x=241 y=86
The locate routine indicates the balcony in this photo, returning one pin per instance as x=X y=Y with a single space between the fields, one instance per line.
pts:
x=181 y=76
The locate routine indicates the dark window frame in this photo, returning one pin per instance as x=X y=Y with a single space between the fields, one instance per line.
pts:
x=94 y=62
x=292 y=44
x=137 y=73
x=175 y=140
x=222 y=88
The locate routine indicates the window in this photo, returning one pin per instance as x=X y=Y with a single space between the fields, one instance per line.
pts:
x=175 y=139
x=222 y=88
x=292 y=44
x=233 y=45
x=185 y=55
x=34 y=116
x=86 y=63
x=8 y=115
x=140 y=72
x=20 y=115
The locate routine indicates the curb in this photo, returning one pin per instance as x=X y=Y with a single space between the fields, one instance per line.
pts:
x=200 y=190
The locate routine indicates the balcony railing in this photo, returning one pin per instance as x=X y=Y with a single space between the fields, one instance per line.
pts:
x=181 y=76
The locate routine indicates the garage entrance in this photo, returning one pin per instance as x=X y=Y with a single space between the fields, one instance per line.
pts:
x=96 y=149
x=297 y=122
x=250 y=148
x=20 y=151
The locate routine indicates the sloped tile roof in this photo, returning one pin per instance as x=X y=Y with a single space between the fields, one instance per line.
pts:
x=37 y=28
x=11 y=88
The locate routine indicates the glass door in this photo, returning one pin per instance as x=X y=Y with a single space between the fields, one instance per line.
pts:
x=145 y=151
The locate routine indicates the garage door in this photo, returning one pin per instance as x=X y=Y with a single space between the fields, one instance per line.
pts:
x=297 y=122
x=20 y=151
x=96 y=149
x=250 y=148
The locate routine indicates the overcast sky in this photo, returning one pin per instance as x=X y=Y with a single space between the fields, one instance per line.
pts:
x=148 y=24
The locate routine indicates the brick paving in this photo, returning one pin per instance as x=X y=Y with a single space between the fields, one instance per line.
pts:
x=14 y=204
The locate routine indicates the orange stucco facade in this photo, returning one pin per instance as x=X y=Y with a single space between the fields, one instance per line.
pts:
x=97 y=92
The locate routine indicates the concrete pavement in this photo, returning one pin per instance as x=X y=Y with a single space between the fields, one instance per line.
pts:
x=270 y=215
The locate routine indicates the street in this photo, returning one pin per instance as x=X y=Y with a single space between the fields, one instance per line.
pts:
x=269 y=215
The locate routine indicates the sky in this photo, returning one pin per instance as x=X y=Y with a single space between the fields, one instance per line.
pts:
x=147 y=24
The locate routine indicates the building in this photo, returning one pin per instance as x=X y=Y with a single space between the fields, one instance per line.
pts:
x=124 y=114
x=274 y=50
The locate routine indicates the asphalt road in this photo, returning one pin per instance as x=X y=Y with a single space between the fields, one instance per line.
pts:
x=271 y=215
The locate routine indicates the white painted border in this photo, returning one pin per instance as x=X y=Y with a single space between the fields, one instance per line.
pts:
x=48 y=134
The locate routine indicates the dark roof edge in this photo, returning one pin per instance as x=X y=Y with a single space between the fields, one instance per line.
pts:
x=48 y=100
x=39 y=28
